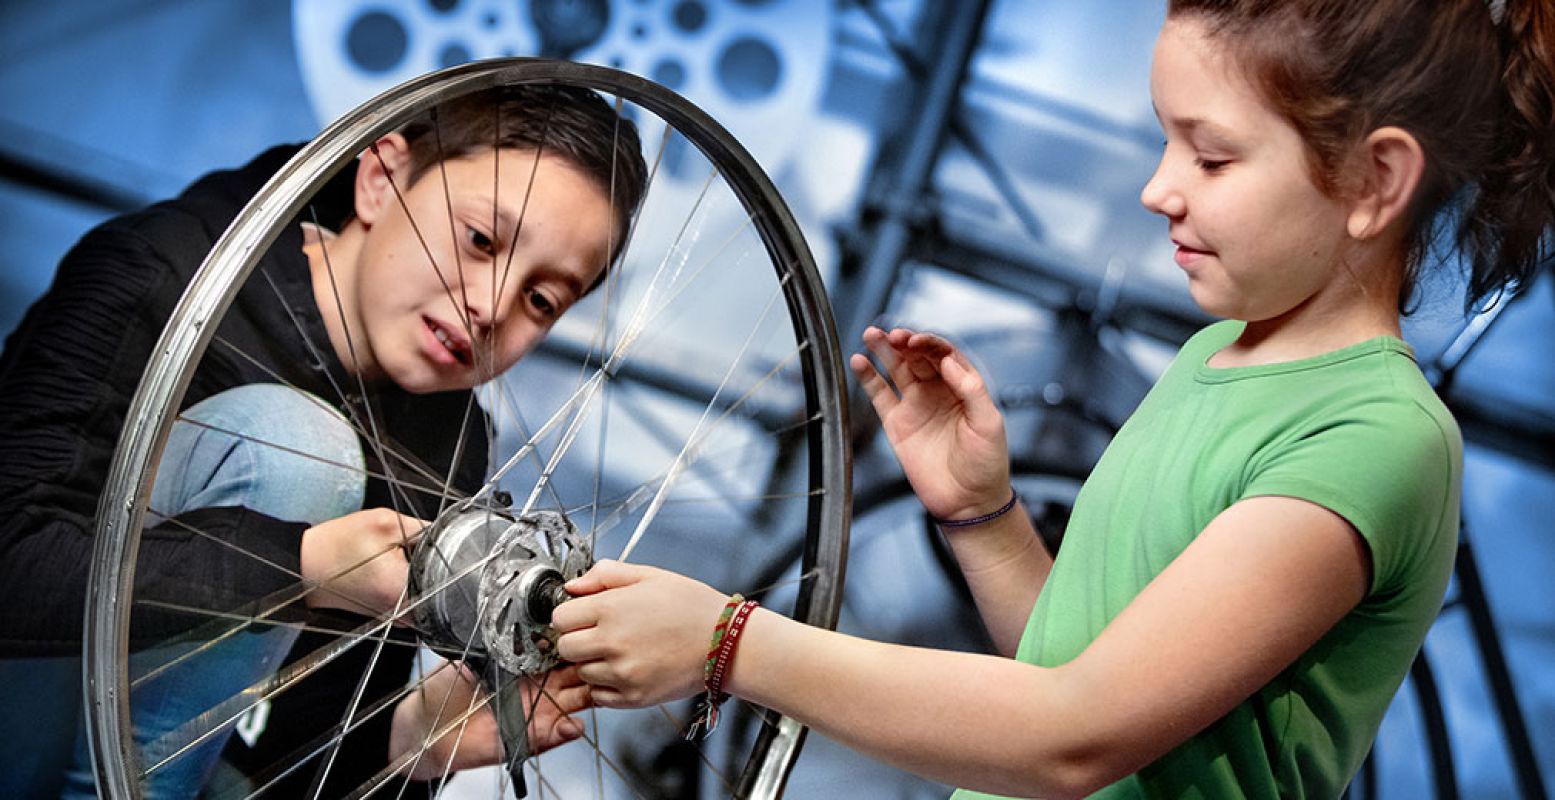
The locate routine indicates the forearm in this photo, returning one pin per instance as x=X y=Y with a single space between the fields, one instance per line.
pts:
x=1259 y=587
x=1005 y=565
x=969 y=720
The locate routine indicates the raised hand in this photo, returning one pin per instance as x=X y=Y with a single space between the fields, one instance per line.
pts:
x=945 y=429
x=639 y=635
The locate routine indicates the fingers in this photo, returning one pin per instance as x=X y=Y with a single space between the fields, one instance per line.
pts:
x=603 y=687
x=562 y=730
x=569 y=699
x=969 y=388
x=606 y=574
x=880 y=393
x=908 y=356
x=605 y=697
x=600 y=676
x=921 y=352
x=578 y=644
x=562 y=692
x=887 y=348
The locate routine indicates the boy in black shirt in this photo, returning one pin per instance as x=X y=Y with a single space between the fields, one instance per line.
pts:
x=442 y=258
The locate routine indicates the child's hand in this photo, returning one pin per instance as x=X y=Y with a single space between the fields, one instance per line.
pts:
x=447 y=696
x=639 y=635
x=359 y=560
x=945 y=429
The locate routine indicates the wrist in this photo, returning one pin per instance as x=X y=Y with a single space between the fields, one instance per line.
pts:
x=719 y=663
x=406 y=731
x=763 y=625
x=986 y=515
x=308 y=566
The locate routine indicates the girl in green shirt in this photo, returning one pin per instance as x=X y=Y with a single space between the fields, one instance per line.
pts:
x=1254 y=563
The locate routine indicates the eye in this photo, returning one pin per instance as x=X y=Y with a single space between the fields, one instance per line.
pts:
x=542 y=303
x=1212 y=165
x=480 y=241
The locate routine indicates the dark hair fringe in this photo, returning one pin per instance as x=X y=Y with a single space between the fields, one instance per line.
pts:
x=572 y=122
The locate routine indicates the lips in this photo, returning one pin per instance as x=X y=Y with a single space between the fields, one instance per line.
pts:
x=1187 y=253
x=450 y=339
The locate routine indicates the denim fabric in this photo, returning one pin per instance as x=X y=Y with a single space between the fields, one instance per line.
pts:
x=243 y=447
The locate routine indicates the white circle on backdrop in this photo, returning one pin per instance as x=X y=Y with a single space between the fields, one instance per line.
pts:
x=756 y=66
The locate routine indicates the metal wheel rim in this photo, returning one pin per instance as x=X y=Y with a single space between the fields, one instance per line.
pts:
x=148 y=420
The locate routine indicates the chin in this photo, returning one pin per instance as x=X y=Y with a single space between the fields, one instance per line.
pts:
x=422 y=381
x=1226 y=305
x=1215 y=306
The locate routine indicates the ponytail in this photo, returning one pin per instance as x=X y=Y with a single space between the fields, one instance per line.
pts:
x=1506 y=230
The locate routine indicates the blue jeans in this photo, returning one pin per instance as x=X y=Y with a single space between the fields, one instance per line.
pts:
x=202 y=467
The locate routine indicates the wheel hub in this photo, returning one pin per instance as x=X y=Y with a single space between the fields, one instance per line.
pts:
x=491 y=579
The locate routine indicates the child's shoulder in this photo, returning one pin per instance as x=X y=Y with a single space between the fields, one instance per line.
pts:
x=178 y=232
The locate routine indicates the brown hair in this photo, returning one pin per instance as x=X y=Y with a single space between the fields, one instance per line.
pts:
x=1477 y=93
x=571 y=122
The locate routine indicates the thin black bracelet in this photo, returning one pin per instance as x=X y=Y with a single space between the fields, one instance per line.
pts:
x=989 y=517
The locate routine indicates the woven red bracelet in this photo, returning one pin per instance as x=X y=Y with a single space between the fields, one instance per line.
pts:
x=726 y=637
x=718 y=636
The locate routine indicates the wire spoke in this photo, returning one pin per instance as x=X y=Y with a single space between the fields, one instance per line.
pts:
x=446 y=493
x=368 y=433
x=679 y=728
x=697 y=435
x=643 y=492
x=271 y=603
x=593 y=387
x=632 y=433
x=340 y=730
x=373 y=434
x=233 y=707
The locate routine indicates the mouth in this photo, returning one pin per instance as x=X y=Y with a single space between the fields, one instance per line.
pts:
x=451 y=340
x=1187 y=253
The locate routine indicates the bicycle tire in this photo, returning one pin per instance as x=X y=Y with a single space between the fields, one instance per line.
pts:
x=150 y=418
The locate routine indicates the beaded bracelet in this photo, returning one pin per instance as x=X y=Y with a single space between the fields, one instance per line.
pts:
x=720 y=653
x=989 y=517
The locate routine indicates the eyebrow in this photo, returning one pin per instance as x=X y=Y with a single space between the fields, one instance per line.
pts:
x=1215 y=132
x=507 y=223
x=551 y=272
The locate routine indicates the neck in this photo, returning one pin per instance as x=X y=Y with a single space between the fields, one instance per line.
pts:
x=1359 y=304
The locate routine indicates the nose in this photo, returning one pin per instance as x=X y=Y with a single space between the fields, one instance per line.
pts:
x=1161 y=195
x=478 y=311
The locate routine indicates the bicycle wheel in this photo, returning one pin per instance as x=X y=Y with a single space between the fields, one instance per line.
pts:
x=688 y=412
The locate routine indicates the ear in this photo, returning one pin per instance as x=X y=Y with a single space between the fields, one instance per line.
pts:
x=1389 y=164
x=379 y=169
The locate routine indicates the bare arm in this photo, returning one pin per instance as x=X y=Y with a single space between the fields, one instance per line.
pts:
x=1006 y=565
x=1256 y=589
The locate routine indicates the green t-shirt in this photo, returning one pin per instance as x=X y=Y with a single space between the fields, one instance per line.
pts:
x=1357 y=431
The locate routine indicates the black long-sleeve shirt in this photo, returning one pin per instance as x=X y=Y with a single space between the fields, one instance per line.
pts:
x=68 y=373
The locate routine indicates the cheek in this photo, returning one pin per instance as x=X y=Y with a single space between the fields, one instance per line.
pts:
x=518 y=342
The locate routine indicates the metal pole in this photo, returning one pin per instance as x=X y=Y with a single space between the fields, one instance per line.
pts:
x=955 y=40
